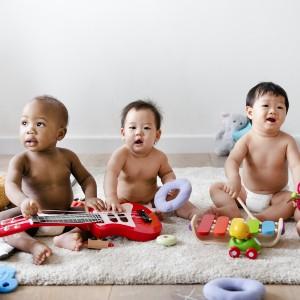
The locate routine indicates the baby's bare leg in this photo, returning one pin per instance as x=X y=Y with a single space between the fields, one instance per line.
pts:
x=279 y=208
x=26 y=243
x=72 y=240
x=225 y=205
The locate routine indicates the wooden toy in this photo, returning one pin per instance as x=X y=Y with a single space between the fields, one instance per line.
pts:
x=211 y=226
x=137 y=222
x=242 y=240
x=98 y=244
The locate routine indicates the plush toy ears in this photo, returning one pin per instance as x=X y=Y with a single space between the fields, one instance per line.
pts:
x=225 y=115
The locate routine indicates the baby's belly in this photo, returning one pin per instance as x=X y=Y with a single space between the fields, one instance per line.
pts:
x=56 y=198
x=266 y=183
x=141 y=193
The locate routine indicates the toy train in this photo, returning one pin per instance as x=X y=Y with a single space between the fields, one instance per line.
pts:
x=222 y=227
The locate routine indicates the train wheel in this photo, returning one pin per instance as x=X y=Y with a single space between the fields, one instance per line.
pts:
x=251 y=253
x=234 y=252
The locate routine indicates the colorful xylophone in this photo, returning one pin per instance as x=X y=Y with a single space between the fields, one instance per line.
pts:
x=219 y=227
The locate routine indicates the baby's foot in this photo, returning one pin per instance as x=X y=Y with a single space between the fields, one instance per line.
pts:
x=72 y=241
x=40 y=252
x=160 y=215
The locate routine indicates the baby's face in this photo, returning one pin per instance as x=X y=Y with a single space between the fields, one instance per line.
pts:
x=39 y=128
x=268 y=112
x=139 y=132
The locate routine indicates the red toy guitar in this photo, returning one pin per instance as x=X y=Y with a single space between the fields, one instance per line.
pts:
x=137 y=223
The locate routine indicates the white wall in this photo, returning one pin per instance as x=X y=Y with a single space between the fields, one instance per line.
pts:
x=196 y=59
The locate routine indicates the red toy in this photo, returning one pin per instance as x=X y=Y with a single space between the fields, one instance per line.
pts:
x=296 y=196
x=137 y=223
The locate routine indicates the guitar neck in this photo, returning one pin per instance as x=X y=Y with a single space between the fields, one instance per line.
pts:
x=67 y=219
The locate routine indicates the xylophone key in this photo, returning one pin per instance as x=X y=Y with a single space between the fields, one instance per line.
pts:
x=253 y=226
x=205 y=224
x=221 y=226
x=268 y=227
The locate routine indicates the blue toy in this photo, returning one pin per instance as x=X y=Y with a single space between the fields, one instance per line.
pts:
x=239 y=133
x=8 y=282
x=234 y=289
x=160 y=199
x=231 y=123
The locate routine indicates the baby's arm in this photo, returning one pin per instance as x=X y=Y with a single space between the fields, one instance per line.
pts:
x=232 y=165
x=166 y=172
x=13 y=187
x=113 y=169
x=293 y=158
x=86 y=181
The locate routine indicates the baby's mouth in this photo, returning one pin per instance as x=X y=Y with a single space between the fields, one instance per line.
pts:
x=138 y=142
x=31 y=142
x=272 y=120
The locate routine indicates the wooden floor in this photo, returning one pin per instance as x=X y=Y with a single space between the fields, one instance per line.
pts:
x=141 y=292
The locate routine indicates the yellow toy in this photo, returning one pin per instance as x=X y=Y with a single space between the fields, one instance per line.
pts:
x=3 y=199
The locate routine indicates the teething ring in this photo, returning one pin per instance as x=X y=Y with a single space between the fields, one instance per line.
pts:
x=166 y=240
x=234 y=289
x=184 y=188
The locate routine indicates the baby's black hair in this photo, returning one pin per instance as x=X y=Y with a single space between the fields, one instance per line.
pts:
x=264 y=88
x=141 y=104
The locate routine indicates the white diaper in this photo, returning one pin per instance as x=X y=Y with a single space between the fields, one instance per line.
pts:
x=258 y=202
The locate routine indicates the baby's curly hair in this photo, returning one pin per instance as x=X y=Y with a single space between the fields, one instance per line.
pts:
x=57 y=105
x=142 y=104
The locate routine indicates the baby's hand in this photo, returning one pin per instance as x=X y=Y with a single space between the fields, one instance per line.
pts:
x=29 y=207
x=114 y=205
x=172 y=194
x=232 y=188
x=94 y=203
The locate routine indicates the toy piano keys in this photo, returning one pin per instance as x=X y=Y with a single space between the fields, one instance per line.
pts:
x=211 y=226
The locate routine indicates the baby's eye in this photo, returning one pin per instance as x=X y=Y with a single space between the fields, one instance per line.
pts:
x=147 y=128
x=265 y=105
x=24 y=123
x=280 y=107
x=132 y=127
x=40 y=124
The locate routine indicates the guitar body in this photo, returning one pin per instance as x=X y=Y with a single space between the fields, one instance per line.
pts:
x=137 y=223
x=137 y=229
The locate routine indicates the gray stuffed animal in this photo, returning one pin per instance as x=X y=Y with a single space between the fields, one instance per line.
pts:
x=224 y=139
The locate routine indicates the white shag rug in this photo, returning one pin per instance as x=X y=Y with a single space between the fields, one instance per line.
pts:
x=190 y=261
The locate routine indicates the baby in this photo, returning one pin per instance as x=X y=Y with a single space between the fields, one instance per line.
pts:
x=39 y=178
x=132 y=171
x=266 y=153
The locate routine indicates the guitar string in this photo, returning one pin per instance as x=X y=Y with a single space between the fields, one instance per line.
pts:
x=87 y=218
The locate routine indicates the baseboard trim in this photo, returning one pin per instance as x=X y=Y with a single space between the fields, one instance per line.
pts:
x=107 y=144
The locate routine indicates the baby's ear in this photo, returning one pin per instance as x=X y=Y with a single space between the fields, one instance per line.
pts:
x=249 y=111
x=158 y=134
x=122 y=132
x=61 y=133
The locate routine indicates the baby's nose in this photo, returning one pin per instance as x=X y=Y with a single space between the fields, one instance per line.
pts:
x=139 y=131
x=30 y=129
